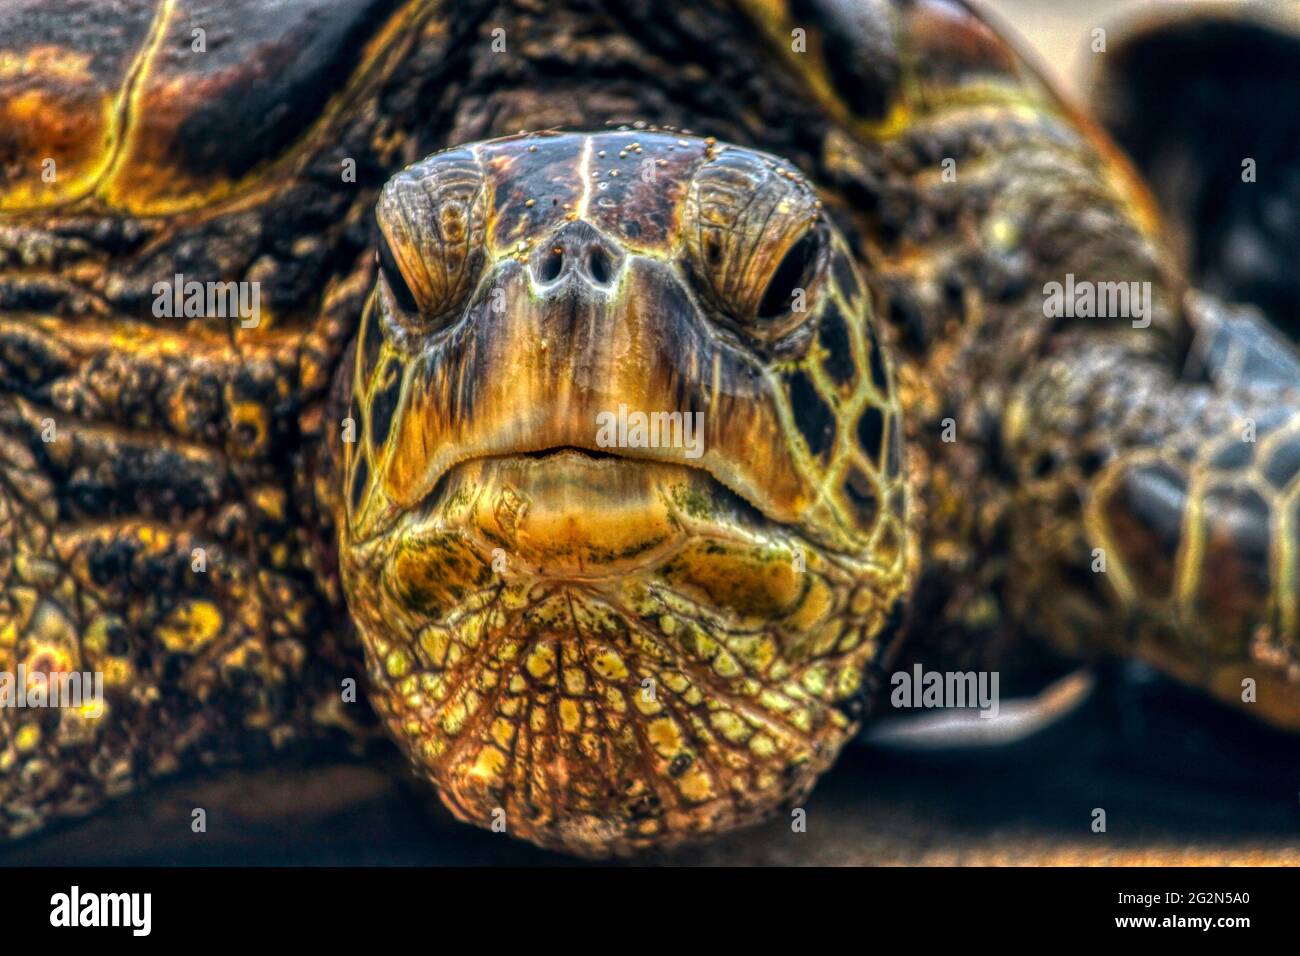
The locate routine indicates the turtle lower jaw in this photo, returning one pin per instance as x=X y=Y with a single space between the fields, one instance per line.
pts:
x=607 y=655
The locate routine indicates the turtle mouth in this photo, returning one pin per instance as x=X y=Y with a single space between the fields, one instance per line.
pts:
x=577 y=514
x=594 y=476
x=745 y=511
x=543 y=453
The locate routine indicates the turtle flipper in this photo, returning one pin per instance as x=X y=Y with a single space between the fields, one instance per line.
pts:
x=1159 y=514
x=1223 y=164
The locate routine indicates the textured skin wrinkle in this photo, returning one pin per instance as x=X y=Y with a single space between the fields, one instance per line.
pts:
x=443 y=215
x=734 y=200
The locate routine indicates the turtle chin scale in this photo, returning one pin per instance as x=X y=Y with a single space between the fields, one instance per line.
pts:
x=561 y=716
x=678 y=682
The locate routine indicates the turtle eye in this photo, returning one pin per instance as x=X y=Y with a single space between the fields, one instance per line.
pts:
x=755 y=242
x=394 y=279
x=432 y=225
x=787 y=289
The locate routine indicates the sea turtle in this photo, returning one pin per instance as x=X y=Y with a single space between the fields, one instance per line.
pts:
x=608 y=467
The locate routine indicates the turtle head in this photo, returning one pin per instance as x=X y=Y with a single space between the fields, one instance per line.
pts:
x=624 y=510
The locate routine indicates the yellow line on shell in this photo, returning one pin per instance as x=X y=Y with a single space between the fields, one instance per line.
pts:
x=128 y=107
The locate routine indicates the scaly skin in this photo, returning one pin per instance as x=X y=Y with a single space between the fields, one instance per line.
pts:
x=1189 y=492
x=1072 y=435
x=165 y=493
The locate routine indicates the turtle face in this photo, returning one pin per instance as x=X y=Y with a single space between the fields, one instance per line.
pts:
x=624 y=513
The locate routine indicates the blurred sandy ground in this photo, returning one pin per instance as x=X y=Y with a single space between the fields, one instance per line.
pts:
x=1060 y=31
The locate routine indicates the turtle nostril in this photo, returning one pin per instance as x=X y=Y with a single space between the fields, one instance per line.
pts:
x=601 y=267
x=551 y=265
x=579 y=249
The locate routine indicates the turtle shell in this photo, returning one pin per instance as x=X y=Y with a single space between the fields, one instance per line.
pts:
x=165 y=106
